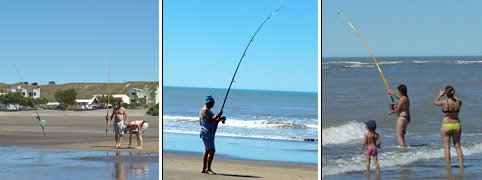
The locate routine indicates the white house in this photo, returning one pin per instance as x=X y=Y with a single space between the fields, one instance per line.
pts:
x=53 y=104
x=124 y=97
x=144 y=96
x=87 y=103
x=32 y=92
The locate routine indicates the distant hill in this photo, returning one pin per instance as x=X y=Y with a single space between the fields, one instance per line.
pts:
x=84 y=90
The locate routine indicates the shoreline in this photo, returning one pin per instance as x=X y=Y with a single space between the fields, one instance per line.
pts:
x=181 y=165
x=230 y=157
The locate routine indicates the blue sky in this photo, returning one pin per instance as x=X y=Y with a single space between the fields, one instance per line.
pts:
x=402 y=28
x=71 y=41
x=203 y=41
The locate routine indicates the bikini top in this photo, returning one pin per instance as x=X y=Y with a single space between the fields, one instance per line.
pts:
x=448 y=111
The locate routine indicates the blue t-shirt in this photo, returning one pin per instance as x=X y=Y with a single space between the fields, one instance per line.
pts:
x=208 y=128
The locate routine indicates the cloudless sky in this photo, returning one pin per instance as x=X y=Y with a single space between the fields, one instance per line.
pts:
x=71 y=41
x=402 y=28
x=203 y=41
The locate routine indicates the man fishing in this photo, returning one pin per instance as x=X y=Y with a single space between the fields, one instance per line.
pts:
x=120 y=115
x=209 y=124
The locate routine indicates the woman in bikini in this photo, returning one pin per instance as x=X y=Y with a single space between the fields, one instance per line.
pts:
x=451 y=128
x=403 y=112
x=137 y=127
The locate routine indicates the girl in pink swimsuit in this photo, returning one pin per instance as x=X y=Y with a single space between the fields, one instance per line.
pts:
x=370 y=139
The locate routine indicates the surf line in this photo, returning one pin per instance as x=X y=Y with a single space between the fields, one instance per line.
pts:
x=373 y=57
x=244 y=54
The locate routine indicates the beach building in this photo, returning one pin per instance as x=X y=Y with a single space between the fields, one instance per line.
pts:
x=92 y=103
x=53 y=104
x=144 y=96
x=136 y=95
x=125 y=98
x=31 y=92
x=156 y=97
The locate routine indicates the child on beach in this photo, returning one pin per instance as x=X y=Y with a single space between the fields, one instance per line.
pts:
x=370 y=139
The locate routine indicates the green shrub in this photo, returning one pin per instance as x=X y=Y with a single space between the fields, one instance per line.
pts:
x=154 y=110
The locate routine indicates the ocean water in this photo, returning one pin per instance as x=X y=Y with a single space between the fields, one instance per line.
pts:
x=284 y=119
x=353 y=92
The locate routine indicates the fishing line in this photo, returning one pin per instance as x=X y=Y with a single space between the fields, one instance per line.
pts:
x=244 y=54
x=373 y=57
x=43 y=123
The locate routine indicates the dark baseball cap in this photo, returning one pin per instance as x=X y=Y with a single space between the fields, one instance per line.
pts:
x=371 y=124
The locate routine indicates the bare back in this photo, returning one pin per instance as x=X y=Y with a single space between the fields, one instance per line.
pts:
x=371 y=139
x=451 y=110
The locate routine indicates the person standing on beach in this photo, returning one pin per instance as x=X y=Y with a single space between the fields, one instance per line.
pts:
x=209 y=124
x=120 y=115
x=137 y=127
x=403 y=112
x=451 y=128
x=373 y=141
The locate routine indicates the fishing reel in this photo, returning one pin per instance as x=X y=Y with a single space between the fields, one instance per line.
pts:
x=223 y=119
x=393 y=106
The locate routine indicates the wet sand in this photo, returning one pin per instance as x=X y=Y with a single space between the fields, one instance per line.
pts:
x=188 y=166
x=76 y=130
x=76 y=164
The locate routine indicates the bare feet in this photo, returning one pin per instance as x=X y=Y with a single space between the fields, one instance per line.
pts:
x=211 y=172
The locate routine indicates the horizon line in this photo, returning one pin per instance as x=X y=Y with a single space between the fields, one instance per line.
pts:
x=397 y=56
x=239 y=89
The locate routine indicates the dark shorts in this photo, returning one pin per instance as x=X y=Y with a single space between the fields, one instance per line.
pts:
x=208 y=143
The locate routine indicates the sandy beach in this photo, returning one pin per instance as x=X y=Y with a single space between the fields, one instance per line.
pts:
x=76 y=130
x=188 y=166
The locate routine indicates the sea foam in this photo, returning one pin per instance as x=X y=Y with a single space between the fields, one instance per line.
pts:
x=393 y=159
x=343 y=134
x=248 y=123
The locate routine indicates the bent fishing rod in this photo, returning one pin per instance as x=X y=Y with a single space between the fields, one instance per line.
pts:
x=244 y=54
x=107 y=106
x=373 y=57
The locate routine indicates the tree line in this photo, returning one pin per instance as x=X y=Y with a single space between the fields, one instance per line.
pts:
x=17 y=99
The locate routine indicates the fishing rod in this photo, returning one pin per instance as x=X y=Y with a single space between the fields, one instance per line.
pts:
x=43 y=123
x=108 y=99
x=244 y=54
x=373 y=57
